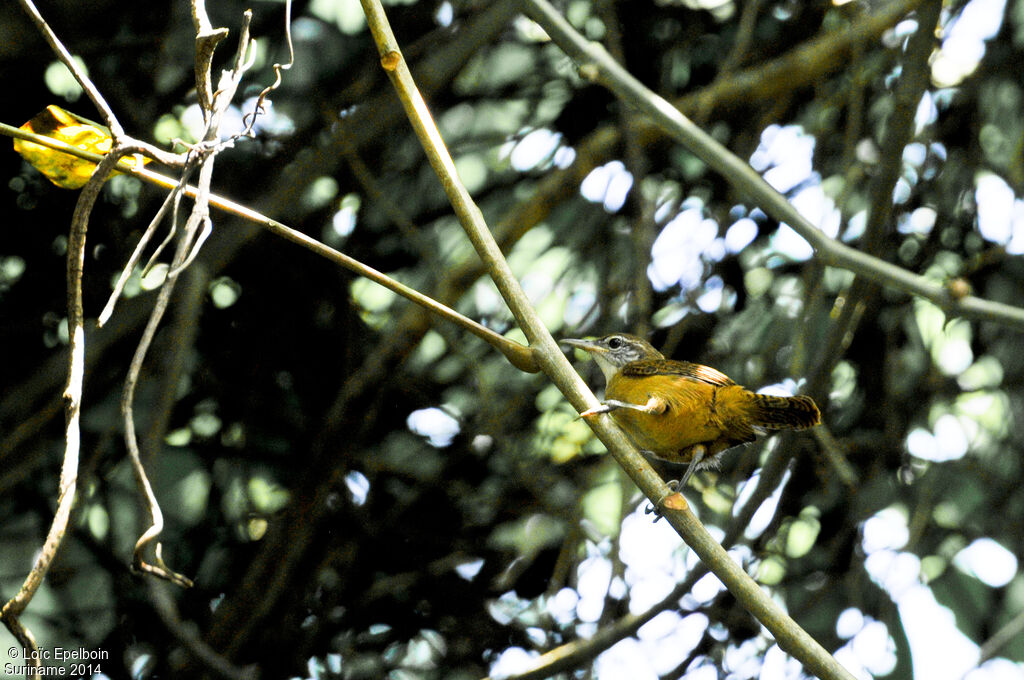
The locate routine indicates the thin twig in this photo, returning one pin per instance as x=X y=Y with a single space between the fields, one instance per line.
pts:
x=207 y=39
x=249 y=120
x=518 y=355
x=196 y=229
x=157 y=567
x=83 y=80
x=154 y=257
x=122 y=280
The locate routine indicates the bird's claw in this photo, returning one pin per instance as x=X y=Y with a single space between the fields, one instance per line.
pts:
x=651 y=510
x=672 y=484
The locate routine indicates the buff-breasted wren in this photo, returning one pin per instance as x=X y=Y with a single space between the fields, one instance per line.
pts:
x=683 y=412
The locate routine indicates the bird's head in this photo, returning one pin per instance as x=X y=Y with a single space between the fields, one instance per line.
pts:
x=614 y=351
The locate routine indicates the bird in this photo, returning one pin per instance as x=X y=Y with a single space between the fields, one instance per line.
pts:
x=683 y=412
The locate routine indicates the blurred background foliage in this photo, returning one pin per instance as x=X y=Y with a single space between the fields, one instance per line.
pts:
x=362 y=492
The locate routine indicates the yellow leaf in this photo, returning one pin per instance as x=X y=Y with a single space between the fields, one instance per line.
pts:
x=63 y=169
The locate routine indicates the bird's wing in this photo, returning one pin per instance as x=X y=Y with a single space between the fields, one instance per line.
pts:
x=685 y=369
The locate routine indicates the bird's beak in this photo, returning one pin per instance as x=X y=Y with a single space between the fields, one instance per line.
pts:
x=585 y=345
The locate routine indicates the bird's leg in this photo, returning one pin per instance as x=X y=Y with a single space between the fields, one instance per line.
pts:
x=699 y=451
x=654 y=405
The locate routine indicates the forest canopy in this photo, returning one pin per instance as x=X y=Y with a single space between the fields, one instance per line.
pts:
x=345 y=479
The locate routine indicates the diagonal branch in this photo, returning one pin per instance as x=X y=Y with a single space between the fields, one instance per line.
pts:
x=65 y=56
x=607 y=72
x=518 y=355
x=788 y=634
x=575 y=653
x=90 y=88
x=802 y=66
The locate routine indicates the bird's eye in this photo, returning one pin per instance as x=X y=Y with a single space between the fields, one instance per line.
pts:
x=614 y=343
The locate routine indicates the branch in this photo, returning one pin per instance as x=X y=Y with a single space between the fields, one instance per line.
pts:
x=1002 y=637
x=200 y=649
x=789 y=636
x=249 y=119
x=573 y=654
x=13 y=609
x=915 y=77
x=207 y=38
x=76 y=356
x=65 y=57
x=640 y=209
x=518 y=356
x=197 y=229
x=802 y=66
x=597 y=64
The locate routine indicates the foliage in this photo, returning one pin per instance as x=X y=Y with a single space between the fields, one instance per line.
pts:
x=61 y=169
x=360 y=490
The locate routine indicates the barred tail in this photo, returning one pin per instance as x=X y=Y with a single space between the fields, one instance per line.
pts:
x=784 y=413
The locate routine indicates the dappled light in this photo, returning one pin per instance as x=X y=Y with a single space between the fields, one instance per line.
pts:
x=608 y=185
x=327 y=430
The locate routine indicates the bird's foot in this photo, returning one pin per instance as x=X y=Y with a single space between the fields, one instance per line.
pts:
x=698 y=451
x=673 y=484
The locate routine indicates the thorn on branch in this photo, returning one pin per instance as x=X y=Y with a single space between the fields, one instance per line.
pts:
x=391 y=60
x=589 y=72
